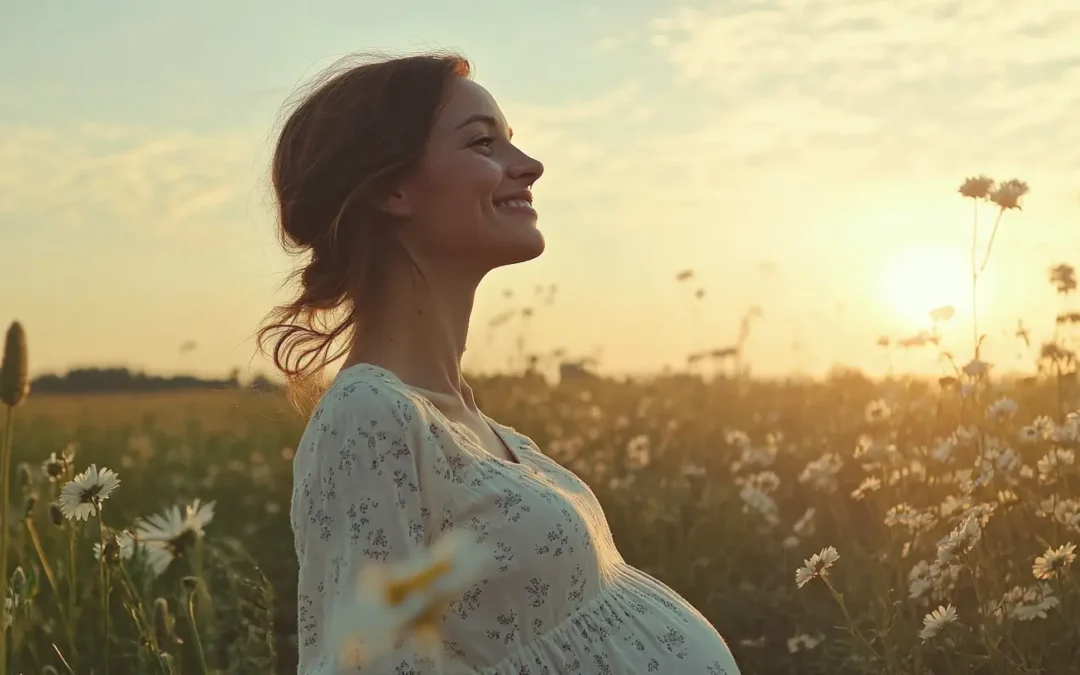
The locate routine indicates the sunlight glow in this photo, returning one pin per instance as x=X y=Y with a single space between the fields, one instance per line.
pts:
x=920 y=279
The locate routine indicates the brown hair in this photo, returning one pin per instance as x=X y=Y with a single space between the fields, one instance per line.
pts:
x=353 y=134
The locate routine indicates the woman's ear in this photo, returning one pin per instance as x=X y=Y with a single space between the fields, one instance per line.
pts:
x=396 y=203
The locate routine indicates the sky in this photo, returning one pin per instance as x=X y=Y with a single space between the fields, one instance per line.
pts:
x=801 y=156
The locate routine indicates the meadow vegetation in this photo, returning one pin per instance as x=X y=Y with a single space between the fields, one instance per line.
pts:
x=843 y=525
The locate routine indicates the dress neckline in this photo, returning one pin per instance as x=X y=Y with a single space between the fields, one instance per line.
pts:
x=428 y=396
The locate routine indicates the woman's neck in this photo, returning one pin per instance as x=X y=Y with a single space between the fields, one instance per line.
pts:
x=419 y=334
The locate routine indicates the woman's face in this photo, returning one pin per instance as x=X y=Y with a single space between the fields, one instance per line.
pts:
x=469 y=201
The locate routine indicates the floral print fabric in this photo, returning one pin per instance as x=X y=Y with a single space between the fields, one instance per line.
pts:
x=380 y=473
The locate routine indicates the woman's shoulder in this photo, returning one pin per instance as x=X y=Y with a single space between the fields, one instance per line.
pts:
x=366 y=396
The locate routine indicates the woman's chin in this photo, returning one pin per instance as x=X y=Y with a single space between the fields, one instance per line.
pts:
x=519 y=246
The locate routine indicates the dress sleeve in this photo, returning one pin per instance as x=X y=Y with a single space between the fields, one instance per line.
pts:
x=357 y=499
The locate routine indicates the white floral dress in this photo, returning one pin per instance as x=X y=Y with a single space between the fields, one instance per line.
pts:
x=380 y=472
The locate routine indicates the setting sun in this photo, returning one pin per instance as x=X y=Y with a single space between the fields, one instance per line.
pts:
x=919 y=280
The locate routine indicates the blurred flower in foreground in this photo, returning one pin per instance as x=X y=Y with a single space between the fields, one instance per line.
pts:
x=937 y=621
x=86 y=491
x=1051 y=564
x=816 y=566
x=168 y=535
x=406 y=599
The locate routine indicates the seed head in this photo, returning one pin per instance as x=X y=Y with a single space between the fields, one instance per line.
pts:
x=14 y=369
x=56 y=514
x=164 y=627
x=29 y=504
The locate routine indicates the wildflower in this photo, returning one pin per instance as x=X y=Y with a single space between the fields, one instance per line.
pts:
x=1050 y=464
x=975 y=368
x=804 y=642
x=1007 y=497
x=121 y=545
x=168 y=535
x=756 y=500
x=406 y=599
x=937 y=621
x=877 y=411
x=821 y=472
x=942 y=450
x=1008 y=461
x=637 y=452
x=1007 y=195
x=1044 y=425
x=952 y=505
x=805 y=526
x=903 y=515
x=1063 y=277
x=961 y=540
x=978 y=187
x=1028 y=434
x=816 y=566
x=919 y=580
x=1028 y=603
x=84 y=494
x=765 y=481
x=54 y=466
x=1002 y=408
x=1054 y=562
x=869 y=484
x=14 y=375
x=691 y=470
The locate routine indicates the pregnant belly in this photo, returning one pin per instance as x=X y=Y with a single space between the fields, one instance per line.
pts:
x=635 y=624
x=670 y=628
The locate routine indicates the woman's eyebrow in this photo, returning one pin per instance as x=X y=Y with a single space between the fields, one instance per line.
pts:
x=486 y=119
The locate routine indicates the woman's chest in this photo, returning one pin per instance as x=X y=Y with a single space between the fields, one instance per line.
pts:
x=538 y=519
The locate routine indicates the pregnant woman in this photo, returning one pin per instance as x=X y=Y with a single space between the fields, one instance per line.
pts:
x=401 y=181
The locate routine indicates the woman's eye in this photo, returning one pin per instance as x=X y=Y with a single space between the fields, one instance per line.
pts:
x=484 y=141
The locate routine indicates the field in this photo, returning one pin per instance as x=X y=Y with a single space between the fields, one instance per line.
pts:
x=933 y=494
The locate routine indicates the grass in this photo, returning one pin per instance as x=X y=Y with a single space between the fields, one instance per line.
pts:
x=723 y=496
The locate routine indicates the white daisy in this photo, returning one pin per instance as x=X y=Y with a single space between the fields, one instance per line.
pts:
x=406 y=599
x=937 y=621
x=83 y=493
x=1055 y=561
x=816 y=566
x=169 y=534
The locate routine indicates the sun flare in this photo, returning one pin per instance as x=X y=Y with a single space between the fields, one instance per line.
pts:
x=919 y=280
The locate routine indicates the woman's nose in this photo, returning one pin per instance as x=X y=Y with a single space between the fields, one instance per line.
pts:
x=527 y=168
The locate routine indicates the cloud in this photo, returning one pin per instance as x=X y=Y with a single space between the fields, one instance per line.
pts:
x=143 y=180
x=937 y=76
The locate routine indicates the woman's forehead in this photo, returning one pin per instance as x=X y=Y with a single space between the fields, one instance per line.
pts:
x=467 y=101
